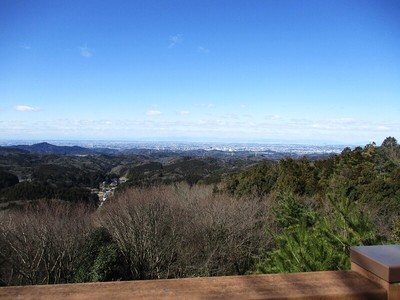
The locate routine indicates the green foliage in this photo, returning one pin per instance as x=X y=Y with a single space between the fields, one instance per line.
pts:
x=395 y=238
x=291 y=212
x=301 y=248
x=100 y=260
x=296 y=176
x=192 y=170
x=7 y=179
x=389 y=142
x=27 y=191
x=308 y=242
x=258 y=180
x=349 y=225
x=36 y=190
x=369 y=175
x=288 y=175
x=392 y=150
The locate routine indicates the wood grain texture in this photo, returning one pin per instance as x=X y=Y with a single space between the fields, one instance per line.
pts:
x=333 y=285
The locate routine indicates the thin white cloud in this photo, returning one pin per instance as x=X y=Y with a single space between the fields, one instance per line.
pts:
x=343 y=120
x=203 y=127
x=86 y=52
x=26 y=47
x=175 y=40
x=26 y=108
x=203 y=50
x=153 y=113
x=183 y=112
x=205 y=105
x=272 y=117
x=230 y=116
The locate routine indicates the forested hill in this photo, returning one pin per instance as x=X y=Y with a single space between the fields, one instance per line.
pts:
x=43 y=170
x=46 y=148
x=369 y=175
x=27 y=175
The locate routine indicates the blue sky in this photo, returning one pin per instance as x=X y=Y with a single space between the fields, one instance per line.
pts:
x=238 y=70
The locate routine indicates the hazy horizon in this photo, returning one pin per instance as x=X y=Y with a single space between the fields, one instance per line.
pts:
x=182 y=141
x=321 y=71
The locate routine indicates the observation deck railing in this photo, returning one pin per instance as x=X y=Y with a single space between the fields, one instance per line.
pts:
x=374 y=274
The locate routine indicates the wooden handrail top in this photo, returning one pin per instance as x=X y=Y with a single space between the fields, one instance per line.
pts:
x=332 y=285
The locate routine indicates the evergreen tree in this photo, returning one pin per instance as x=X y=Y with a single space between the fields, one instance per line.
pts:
x=100 y=259
x=308 y=242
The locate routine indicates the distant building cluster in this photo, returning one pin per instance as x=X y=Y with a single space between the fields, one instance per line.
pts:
x=107 y=189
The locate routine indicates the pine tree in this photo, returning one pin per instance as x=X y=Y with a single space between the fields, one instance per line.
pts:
x=308 y=242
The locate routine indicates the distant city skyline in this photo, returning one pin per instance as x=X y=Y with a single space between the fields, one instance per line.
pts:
x=290 y=70
x=190 y=148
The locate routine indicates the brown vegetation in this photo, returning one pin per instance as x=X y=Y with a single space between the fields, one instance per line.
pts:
x=182 y=232
x=159 y=232
x=41 y=244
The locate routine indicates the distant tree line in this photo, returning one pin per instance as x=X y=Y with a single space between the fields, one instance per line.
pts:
x=56 y=177
x=368 y=175
x=51 y=182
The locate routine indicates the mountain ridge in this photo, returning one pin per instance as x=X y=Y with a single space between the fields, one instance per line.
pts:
x=47 y=148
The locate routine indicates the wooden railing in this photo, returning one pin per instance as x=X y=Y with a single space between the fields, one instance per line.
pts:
x=375 y=274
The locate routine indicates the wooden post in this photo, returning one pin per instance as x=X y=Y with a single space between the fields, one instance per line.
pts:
x=380 y=264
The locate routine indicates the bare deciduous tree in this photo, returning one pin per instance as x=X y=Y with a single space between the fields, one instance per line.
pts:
x=41 y=244
x=146 y=227
x=158 y=232
x=185 y=231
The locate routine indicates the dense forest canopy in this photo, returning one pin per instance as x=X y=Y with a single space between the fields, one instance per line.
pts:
x=178 y=216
